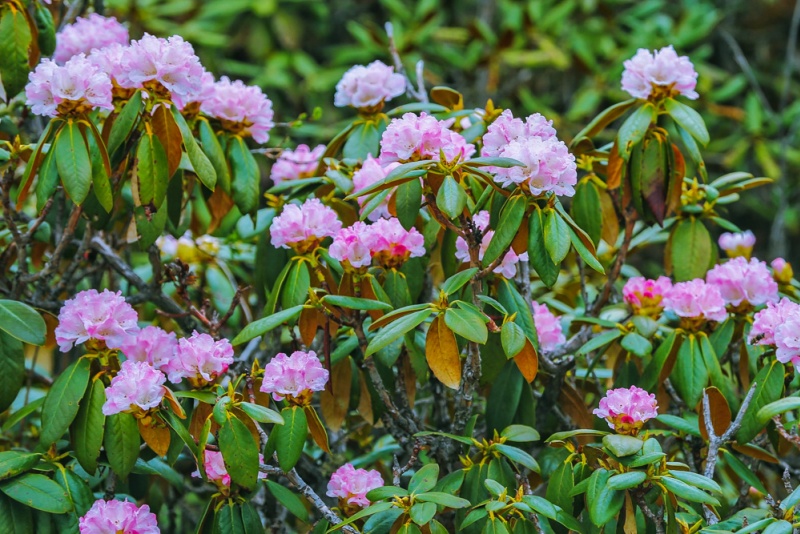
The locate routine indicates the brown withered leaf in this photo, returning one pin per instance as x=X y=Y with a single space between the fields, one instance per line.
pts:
x=756 y=452
x=720 y=413
x=336 y=404
x=199 y=416
x=676 y=181
x=610 y=230
x=410 y=379
x=365 y=401
x=308 y=323
x=219 y=205
x=573 y=405
x=520 y=242
x=630 y=516
x=441 y=351
x=614 y=170
x=317 y=429
x=528 y=361
x=368 y=293
x=177 y=409
x=168 y=132
x=156 y=436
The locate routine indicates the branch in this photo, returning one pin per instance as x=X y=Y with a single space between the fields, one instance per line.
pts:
x=417 y=93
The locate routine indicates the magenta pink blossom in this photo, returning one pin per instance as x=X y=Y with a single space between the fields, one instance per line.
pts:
x=294 y=376
x=118 y=517
x=301 y=162
x=420 y=137
x=242 y=109
x=645 y=296
x=91 y=315
x=369 y=86
x=77 y=86
x=303 y=227
x=391 y=244
x=86 y=34
x=627 y=409
x=351 y=485
x=737 y=244
x=662 y=73
x=741 y=281
x=778 y=325
x=349 y=245
x=152 y=345
x=371 y=172
x=696 y=299
x=137 y=386
x=217 y=473
x=507 y=267
x=200 y=359
x=548 y=327
x=171 y=63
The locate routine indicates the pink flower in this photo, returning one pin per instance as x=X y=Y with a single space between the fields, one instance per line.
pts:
x=738 y=244
x=370 y=86
x=352 y=485
x=627 y=409
x=170 y=63
x=294 y=376
x=301 y=162
x=91 y=315
x=371 y=172
x=118 y=517
x=782 y=271
x=86 y=34
x=741 y=281
x=349 y=245
x=137 y=386
x=214 y=466
x=111 y=60
x=199 y=94
x=696 y=300
x=548 y=327
x=644 y=295
x=200 y=359
x=241 y=108
x=391 y=244
x=767 y=321
x=152 y=345
x=303 y=227
x=507 y=267
x=662 y=73
x=77 y=86
x=418 y=137
x=506 y=129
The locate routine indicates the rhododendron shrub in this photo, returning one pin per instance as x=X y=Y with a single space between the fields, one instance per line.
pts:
x=445 y=317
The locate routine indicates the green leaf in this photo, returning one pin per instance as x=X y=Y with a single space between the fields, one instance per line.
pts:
x=151 y=175
x=458 y=280
x=467 y=324
x=484 y=161
x=696 y=480
x=603 y=119
x=424 y=479
x=364 y=139
x=451 y=198
x=653 y=370
x=600 y=341
x=180 y=429
x=556 y=236
x=561 y=436
x=443 y=499
x=124 y=123
x=240 y=452
x=769 y=388
x=690 y=249
x=13 y=463
x=150 y=227
x=291 y=437
x=15 y=40
x=561 y=482
x=689 y=119
x=86 y=433
x=355 y=303
x=422 y=512
x=296 y=285
x=400 y=174
x=683 y=425
x=376 y=508
x=121 y=442
x=246 y=175
x=538 y=256
x=39 y=492
x=511 y=216
x=621 y=445
x=72 y=161
x=289 y=500
x=513 y=339
x=397 y=329
x=779 y=527
x=213 y=150
x=628 y=480
x=22 y=322
x=12 y=369
x=684 y=491
x=636 y=344
x=228 y=519
x=15 y=519
x=588 y=255
x=633 y=129
x=587 y=211
x=48 y=179
x=261 y=414
x=408 y=199
x=61 y=405
x=265 y=324
x=690 y=375
x=518 y=456
x=101 y=186
x=385 y=492
x=201 y=163
x=778 y=407
x=603 y=502
x=742 y=471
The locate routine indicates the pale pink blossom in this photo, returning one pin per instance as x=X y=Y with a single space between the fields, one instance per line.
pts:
x=782 y=271
x=199 y=93
x=369 y=86
x=741 y=281
x=86 y=34
x=303 y=227
x=548 y=327
x=696 y=299
x=737 y=244
x=422 y=137
x=217 y=473
x=391 y=244
x=76 y=86
x=351 y=485
x=371 y=172
x=297 y=375
x=91 y=315
x=137 y=386
x=118 y=517
x=506 y=128
x=200 y=359
x=242 y=109
x=302 y=162
x=627 y=409
x=508 y=265
x=662 y=72
x=645 y=296
x=349 y=245
x=767 y=321
x=152 y=345
x=111 y=60
x=171 y=63
x=787 y=341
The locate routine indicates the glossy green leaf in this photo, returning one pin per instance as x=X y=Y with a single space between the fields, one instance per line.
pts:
x=246 y=175
x=633 y=129
x=538 y=255
x=603 y=502
x=628 y=480
x=467 y=324
x=690 y=249
x=14 y=44
x=690 y=375
x=517 y=456
x=443 y=499
x=513 y=339
x=451 y=198
x=287 y=498
x=62 y=403
x=511 y=217
x=201 y=163
x=22 y=322
x=86 y=432
x=72 y=161
x=408 y=200
x=124 y=122
x=265 y=324
x=213 y=150
x=13 y=463
x=291 y=437
x=261 y=414
x=684 y=491
x=355 y=303
x=12 y=369
x=769 y=388
x=424 y=479
x=121 y=443
x=39 y=492
x=458 y=280
x=388 y=334
x=621 y=445
x=689 y=119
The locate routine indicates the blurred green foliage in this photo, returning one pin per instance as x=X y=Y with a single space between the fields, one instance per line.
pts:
x=562 y=58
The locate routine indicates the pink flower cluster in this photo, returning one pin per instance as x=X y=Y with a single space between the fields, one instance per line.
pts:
x=627 y=409
x=200 y=359
x=548 y=327
x=118 y=517
x=294 y=376
x=778 y=325
x=371 y=172
x=88 y=33
x=662 y=73
x=304 y=227
x=645 y=296
x=744 y=282
x=368 y=86
x=508 y=266
x=737 y=244
x=214 y=466
x=100 y=316
x=422 y=137
x=696 y=299
x=349 y=245
x=241 y=108
x=294 y=164
x=547 y=163
x=351 y=485
x=138 y=386
x=391 y=244
x=170 y=62
x=151 y=345
x=77 y=86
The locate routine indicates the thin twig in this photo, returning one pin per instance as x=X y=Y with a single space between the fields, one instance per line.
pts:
x=417 y=93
